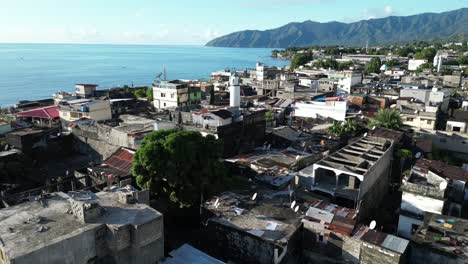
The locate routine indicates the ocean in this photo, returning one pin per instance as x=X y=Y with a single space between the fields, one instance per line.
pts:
x=36 y=71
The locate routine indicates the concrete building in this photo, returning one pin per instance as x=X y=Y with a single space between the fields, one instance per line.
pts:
x=345 y=80
x=414 y=64
x=440 y=239
x=253 y=231
x=174 y=93
x=313 y=109
x=458 y=122
x=85 y=90
x=455 y=142
x=434 y=187
x=234 y=91
x=98 y=110
x=356 y=176
x=107 y=227
x=430 y=97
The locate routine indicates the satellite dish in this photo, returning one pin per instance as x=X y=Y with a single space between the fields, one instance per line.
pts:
x=296 y=209
x=293 y=204
x=372 y=225
x=365 y=135
x=416 y=112
x=374 y=128
x=216 y=202
x=298 y=157
x=360 y=112
x=443 y=185
x=216 y=206
x=254 y=197
x=418 y=155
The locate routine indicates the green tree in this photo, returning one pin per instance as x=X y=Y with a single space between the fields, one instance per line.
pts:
x=212 y=96
x=388 y=118
x=427 y=54
x=149 y=94
x=461 y=60
x=269 y=117
x=374 y=66
x=300 y=59
x=140 y=93
x=425 y=66
x=180 y=165
x=340 y=129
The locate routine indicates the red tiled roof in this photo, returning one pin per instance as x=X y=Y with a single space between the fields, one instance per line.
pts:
x=48 y=112
x=121 y=160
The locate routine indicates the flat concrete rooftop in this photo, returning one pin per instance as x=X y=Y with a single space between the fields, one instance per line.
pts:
x=33 y=225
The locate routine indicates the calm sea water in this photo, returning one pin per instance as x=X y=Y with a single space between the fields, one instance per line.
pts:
x=35 y=71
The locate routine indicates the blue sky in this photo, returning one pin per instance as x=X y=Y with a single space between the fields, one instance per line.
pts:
x=185 y=22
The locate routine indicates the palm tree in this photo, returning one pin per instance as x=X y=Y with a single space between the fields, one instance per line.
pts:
x=342 y=128
x=388 y=118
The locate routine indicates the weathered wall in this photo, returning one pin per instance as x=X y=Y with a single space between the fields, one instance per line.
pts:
x=372 y=254
x=76 y=249
x=241 y=246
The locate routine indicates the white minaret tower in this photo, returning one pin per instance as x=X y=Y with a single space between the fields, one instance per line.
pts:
x=234 y=90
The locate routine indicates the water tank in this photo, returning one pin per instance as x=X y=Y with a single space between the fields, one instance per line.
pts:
x=84 y=108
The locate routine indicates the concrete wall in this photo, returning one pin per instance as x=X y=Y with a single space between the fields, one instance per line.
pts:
x=335 y=110
x=462 y=126
x=405 y=225
x=418 y=204
x=456 y=142
x=77 y=249
x=372 y=254
x=414 y=64
x=241 y=246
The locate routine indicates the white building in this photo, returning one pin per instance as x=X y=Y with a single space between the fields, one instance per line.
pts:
x=346 y=80
x=234 y=90
x=98 y=110
x=175 y=93
x=425 y=190
x=85 y=90
x=414 y=64
x=311 y=109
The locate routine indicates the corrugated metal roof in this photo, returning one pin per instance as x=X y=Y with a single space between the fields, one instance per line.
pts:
x=121 y=160
x=395 y=243
x=319 y=214
x=188 y=254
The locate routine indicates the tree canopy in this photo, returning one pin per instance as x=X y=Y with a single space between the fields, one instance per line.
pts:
x=340 y=129
x=374 y=66
x=428 y=54
x=388 y=118
x=300 y=59
x=182 y=165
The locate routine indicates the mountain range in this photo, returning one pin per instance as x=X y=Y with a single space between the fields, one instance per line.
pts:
x=393 y=29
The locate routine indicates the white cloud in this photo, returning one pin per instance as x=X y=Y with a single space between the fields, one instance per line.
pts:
x=388 y=10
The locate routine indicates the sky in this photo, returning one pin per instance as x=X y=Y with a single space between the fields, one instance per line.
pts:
x=182 y=22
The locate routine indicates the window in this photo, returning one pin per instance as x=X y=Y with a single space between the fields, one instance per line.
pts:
x=164 y=104
x=172 y=95
x=409 y=119
x=429 y=122
x=456 y=129
x=414 y=228
x=163 y=95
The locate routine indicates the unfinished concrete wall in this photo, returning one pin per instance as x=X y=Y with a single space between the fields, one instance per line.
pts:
x=240 y=246
x=78 y=249
x=372 y=254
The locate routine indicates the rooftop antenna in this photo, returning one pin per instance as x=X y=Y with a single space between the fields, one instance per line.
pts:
x=254 y=197
x=296 y=209
x=367 y=46
x=164 y=72
x=216 y=202
x=372 y=225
